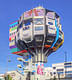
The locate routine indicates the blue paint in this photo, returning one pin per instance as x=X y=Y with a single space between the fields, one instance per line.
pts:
x=20 y=26
x=50 y=23
x=27 y=23
x=29 y=56
x=33 y=71
x=60 y=72
x=26 y=59
x=13 y=24
x=22 y=73
x=36 y=64
x=39 y=64
x=26 y=28
x=57 y=34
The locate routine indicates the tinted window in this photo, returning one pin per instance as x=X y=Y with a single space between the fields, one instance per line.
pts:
x=59 y=72
x=38 y=28
x=67 y=63
x=38 y=21
x=60 y=69
x=67 y=66
x=54 y=67
x=54 y=72
x=68 y=72
x=50 y=23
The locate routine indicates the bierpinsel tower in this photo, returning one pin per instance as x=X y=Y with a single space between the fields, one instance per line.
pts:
x=37 y=32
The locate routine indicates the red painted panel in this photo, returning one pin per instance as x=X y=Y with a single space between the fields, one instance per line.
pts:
x=23 y=51
x=9 y=39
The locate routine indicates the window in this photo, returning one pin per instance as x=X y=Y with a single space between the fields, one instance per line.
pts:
x=60 y=72
x=14 y=32
x=25 y=63
x=39 y=38
x=54 y=67
x=39 y=28
x=50 y=23
x=38 y=21
x=52 y=28
x=67 y=66
x=18 y=35
x=27 y=22
x=68 y=72
x=20 y=26
x=12 y=40
x=69 y=75
x=54 y=72
x=32 y=73
x=60 y=34
x=67 y=63
x=60 y=69
x=10 y=34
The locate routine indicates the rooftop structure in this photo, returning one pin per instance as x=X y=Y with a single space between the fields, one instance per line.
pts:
x=37 y=32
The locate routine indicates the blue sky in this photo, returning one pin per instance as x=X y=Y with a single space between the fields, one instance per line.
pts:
x=10 y=10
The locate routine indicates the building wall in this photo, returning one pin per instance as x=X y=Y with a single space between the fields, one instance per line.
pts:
x=62 y=69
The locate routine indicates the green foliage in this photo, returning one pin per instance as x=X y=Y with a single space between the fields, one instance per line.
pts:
x=54 y=78
x=8 y=77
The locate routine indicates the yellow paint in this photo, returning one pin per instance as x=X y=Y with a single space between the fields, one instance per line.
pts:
x=10 y=30
x=39 y=7
x=60 y=27
x=60 y=43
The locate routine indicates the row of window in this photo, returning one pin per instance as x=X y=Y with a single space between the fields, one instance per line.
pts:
x=69 y=75
x=70 y=66
x=67 y=63
x=60 y=69
x=62 y=72
x=37 y=21
x=26 y=28
x=68 y=72
x=39 y=28
x=13 y=25
x=12 y=33
x=12 y=40
x=58 y=73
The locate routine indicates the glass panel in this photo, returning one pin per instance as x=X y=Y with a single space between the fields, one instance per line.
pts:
x=67 y=63
x=60 y=69
x=38 y=21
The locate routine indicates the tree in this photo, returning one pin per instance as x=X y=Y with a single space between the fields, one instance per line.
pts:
x=54 y=78
x=8 y=77
x=0 y=79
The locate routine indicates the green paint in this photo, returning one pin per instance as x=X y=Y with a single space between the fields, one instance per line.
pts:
x=14 y=28
x=15 y=50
